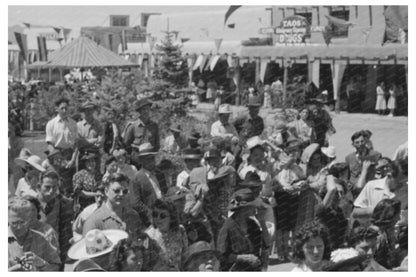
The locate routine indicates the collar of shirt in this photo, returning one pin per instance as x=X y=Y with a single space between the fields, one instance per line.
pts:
x=113 y=215
x=382 y=185
x=60 y=119
x=139 y=122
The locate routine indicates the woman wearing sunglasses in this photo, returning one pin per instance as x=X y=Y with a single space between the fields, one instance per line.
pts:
x=169 y=235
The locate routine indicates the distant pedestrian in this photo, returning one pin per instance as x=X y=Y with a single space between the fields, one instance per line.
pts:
x=391 y=104
x=381 y=99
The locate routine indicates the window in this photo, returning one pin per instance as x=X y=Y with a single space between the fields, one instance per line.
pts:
x=341 y=13
x=119 y=20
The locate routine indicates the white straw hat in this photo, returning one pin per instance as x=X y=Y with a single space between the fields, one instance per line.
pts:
x=96 y=243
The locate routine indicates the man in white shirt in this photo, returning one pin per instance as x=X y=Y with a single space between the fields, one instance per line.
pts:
x=222 y=127
x=62 y=135
x=376 y=190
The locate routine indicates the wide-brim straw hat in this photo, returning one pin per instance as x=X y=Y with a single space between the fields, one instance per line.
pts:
x=86 y=266
x=254 y=141
x=34 y=161
x=224 y=109
x=96 y=243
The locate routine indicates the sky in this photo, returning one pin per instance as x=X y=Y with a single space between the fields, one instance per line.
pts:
x=77 y=16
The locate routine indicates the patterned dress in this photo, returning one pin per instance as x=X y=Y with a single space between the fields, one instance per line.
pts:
x=84 y=180
x=173 y=245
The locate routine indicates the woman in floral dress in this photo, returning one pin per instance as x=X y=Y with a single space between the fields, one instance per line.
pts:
x=85 y=182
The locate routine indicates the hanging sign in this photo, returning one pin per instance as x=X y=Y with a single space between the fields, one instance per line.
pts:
x=292 y=30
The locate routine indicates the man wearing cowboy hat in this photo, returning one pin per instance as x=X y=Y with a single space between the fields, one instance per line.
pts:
x=145 y=186
x=143 y=129
x=89 y=128
x=175 y=142
x=192 y=159
x=221 y=127
x=252 y=125
x=32 y=168
x=241 y=240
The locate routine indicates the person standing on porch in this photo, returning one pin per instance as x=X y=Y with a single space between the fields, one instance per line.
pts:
x=391 y=104
x=381 y=100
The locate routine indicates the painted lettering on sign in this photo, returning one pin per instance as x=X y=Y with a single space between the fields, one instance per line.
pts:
x=292 y=30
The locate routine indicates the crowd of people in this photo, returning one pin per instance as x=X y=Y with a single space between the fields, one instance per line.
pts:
x=104 y=201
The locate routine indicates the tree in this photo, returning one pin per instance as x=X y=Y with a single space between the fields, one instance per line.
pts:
x=172 y=70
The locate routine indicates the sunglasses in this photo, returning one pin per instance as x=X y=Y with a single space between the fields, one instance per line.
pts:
x=159 y=215
x=117 y=191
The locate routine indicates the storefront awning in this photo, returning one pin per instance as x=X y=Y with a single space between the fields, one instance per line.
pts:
x=360 y=52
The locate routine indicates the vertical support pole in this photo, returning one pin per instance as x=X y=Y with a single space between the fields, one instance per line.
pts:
x=237 y=80
x=286 y=65
x=257 y=77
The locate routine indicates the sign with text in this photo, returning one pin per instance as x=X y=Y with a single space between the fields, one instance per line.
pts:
x=292 y=30
x=49 y=35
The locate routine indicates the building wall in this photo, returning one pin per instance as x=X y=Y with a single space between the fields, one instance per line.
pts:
x=102 y=35
x=369 y=22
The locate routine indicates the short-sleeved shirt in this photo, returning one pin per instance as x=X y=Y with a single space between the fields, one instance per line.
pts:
x=104 y=219
x=36 y=243
x=89 y=130
x=137 y=133
x=219 y=130
x=372 y=193
x=61 y=133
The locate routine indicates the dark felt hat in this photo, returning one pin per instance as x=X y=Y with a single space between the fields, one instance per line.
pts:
x=252 y=180
x=141 y=103
x=244 y=198
x=89 y=105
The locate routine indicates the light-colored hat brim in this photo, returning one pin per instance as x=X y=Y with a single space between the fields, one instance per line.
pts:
x=22 y=163
x=147 y=154
x=79 y=250
x=192 y=157
x=327 y=153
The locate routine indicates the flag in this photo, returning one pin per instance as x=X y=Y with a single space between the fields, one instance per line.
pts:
x=123 y=41
x=231 y=9
x=263 y=67
x=183 y=40
x=328 y=33
x=218 y=42
x=110 y=41
x=214 y=62
x=27 y=25
x=231 y=26
x=21 y=40
x=43 y=51
x=338 y=22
